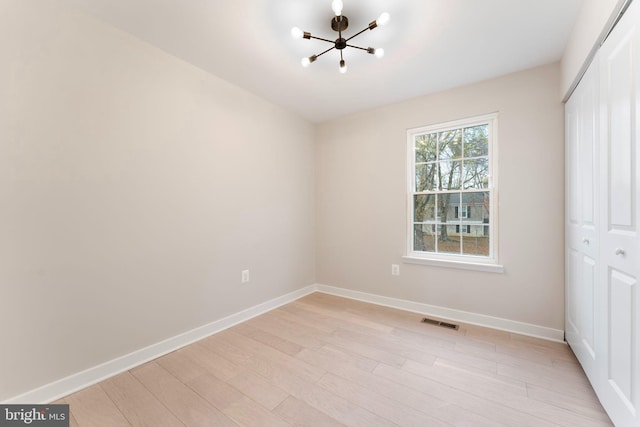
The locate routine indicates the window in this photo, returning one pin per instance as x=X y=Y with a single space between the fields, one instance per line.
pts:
x=465 y=228
x=452 y=192
x=461 y=211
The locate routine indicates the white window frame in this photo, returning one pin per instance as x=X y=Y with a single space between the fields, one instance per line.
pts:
x=470 y=262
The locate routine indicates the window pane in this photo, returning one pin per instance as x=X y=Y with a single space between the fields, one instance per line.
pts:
x=476 y=173
x=426 y=177
x=448 y=240
x=424 y=238
x=424 y=208
x=477 y=241
x=426 y=147
x=447 y=203
x=450 y=144
x=476 y=141
x=450 y=175
x=477 y=207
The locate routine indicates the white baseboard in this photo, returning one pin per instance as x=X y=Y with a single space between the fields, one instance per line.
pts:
x=65 y=386
x=449 y=314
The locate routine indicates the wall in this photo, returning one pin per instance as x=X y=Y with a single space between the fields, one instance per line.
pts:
x=134 y=188
x=361 y=188
x=594 y=17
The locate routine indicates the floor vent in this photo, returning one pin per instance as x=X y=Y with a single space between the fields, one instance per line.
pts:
x=440 y=323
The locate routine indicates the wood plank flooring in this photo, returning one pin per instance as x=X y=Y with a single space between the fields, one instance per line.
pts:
x=329 y=361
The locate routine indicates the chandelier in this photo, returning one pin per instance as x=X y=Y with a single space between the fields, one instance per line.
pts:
x=340 y=23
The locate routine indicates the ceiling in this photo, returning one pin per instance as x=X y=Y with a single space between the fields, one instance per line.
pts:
x=430 y=45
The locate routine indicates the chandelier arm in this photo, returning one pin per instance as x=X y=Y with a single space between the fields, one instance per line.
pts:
x=320 y=38
x=357 y=34
x=331 y=48
x=358 y=47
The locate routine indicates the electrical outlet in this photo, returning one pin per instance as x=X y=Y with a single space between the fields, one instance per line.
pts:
x=395 y=270
x=245 y=276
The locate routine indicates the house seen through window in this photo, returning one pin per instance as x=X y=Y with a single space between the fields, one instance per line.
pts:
x=452 y=190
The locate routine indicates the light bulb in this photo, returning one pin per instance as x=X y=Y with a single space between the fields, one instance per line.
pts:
x=306 y=61
x=379 y=52
x=343 y=67
x=296 y=33
x=336 y=6
x=383 y=19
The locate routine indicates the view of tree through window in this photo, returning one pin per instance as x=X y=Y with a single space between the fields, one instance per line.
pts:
x=450 y=194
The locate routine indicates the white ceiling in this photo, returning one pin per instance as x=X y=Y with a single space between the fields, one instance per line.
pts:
x=430 y=45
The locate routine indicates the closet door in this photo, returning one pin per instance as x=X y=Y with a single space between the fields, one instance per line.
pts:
x=581 y=113
x=619 y=294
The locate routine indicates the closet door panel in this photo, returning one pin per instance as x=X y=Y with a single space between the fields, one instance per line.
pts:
x=587 y=153
x=571 y=154
x=589 y=280
x=620 y=109
x=572 y=255
x=621 y=364
x=581 y=113
x=588 y=233
x=572 y=329
x=618 y=298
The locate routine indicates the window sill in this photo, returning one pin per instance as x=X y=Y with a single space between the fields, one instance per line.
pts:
x=462 y=265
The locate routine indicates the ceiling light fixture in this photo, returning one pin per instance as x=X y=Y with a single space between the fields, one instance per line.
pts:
x=340 y=23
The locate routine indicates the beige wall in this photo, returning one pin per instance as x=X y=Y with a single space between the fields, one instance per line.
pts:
x=594 y=16
x=134 y=188
x=361 y=187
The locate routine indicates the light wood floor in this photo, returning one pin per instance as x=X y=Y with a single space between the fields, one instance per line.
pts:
x=329 y=361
